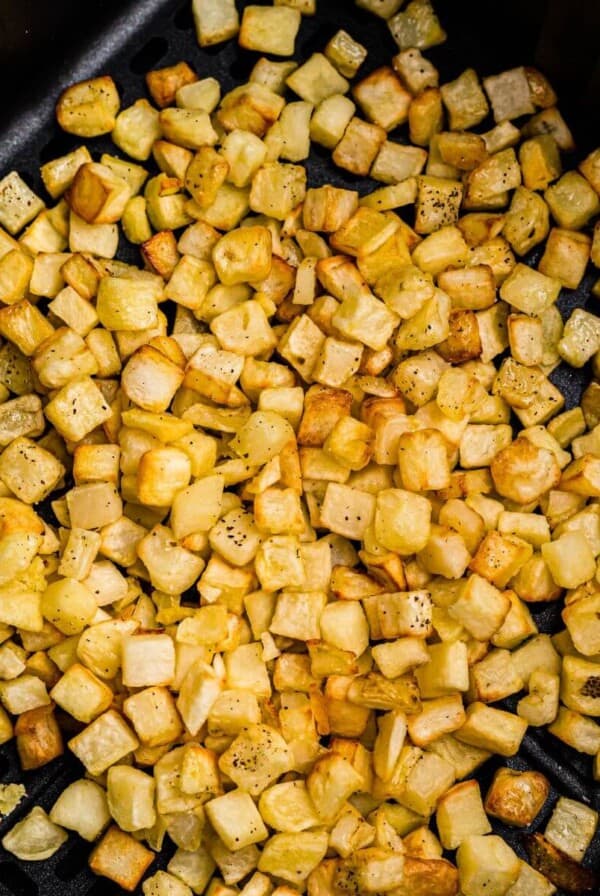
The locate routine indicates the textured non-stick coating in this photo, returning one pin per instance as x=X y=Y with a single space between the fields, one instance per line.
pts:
x=152 y=33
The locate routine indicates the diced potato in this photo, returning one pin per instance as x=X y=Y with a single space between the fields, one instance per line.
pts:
x=269 y=30
x=89 y=108
x=35 y=837
x=571 y=827
x=460 y=814
x=121 y=858
x=509 y=94
x=82 y=807
x=317 y=80
x=104 y=742
x=417 y=26
x=492 y=729
x=487 y=866
x=330 y=120
x=566 y=256
x=130 y=795
x=465 y=101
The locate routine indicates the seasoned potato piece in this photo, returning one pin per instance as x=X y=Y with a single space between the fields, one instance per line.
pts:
x=517 y=798
x=121 y=858
x=89 y=108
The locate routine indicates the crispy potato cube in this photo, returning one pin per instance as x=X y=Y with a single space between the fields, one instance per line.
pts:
x=523 y=472
x=81 y=694
x=288 y=808
x=77 y=409
x=316 y=80
x=129 y=303
x=35 y=837
x=383 y=99
x=29 y=471
x=347 y=511
x=328 y=209
x=425 y=116
x=330 y=782
x=121 y=858
x=97 y=194
x=516 y=797
x=492 y=729
x=38 y=737
x=465 y=101
x=438 y=203
x=330 y=120
x=345 y=53
x=540 y=161
x=82 y=807
x=569 y=559
x=571 y=827
x=359 y=146
x=150 y=379
x=436 y=718
x=137 y=129
x=423 y=460
x=215 y=20
x=148 y=660
x=292 y=857
x=270 y=29
x=577 y=731
x=153 y=715
x=162 y=472
x=130 y=794
x=272 y=74
x=417 y=26
x=460 y=814
x=68 y=605
x=25 y=326
x=510 y=94
x=364 y=318
x=250 y=107
x=89 y=108
x=579 y=686
x=163 y=83
x=572 y=201
x=104 y=742
x=58 y=174
x=487 y=866
x=236 y=820
x=243 y=255
x=277 y=189
x=527 y=222
x=481 y=608
x=256 y=758
x=566 y=256
x=190 y=128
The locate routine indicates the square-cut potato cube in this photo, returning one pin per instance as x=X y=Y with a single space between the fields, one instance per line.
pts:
x=277 y=189
x=572 y=201
x=438 y=203
x=163 y=83
x=24 y=325
x=396 y=162
x=81 y=694
x=121 y=858
x=531 y=883
x=58 y=174
x=97 y=194
x=509 y=94
x=417 y=72
x=436 y=718
x=383 y=99
x=330 y=120
x=272 y=74
x=256 y=758
x=481 y=608
x=129 y=303
x=16 y=269
x=465 y=101
x=487 y=866
x=577 y=686
x=161 y=474
x=136 y=129
x=190 y=128
x=358 y=148
x=77 y=409
x=89 y=108
x=571 y=827
x=529 y=291
x=250 y=107
x=270 y=29
x=515 y=797
x=236 y=819
x=215 y=20
x=417 y=26
x=82 y=808
x=345 y=53
x=292 y=856
x=569 y=559
x=316 y=80
x=29 y=471
x=104 y=742
x=527 y=221
x=566 y=256
x=425 y=116
x=243 y=255
x=130 y=794
x=575 y=730
x=148 y=660
x=94 y=505
x=18 y=203
x=364 y=318
x=347 y=511
x=297 y=615
x=150 y=379
x=492 y=729
x=540 y=161
x=153 y=714
x=423 y=460
x=460 y=814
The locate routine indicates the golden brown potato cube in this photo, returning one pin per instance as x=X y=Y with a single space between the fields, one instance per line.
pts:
x=461 y=149
x=500 y=557
x=160 y=253
x=487 y=866
x=136 y=128
x=121 y=858
x=460 y=814
x=97 y=194
x=423 y=460
x=427 y=877
x=18 y=203
x=270 y=29
x=25 y=326
x=566 y=256
x=523 y=472
x=465 y=101
x=492 y=729
x=359 y=146
x=327 y=208
x=205 y=174
x=463 y=342
x=16 y=269
x=190 y=128
x=89 y=108
x=527 y=221
x=250 y=107
x=38 y=736
x=540 y=161
x=163 y=83
x=572 y=201
x=58 y=174
x=517 y=797
x=277 y=189
x=590 y=168
x=243 y=255
x=557 y=867
x=438 y=203
x=150 y=380
x=383 y=99
x=541 y=90
x=425 y=116
x=571 y=827
x=215 y=20
x=579 y=686
x=395 y=162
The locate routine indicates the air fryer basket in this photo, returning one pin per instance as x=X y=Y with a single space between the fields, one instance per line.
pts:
x=133 y=37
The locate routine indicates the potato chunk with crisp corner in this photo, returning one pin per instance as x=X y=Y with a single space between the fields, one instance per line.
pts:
x=236 y=819
x=517 y=797
x=29 y=470
x=277 y=189
x=383 y=99
x=89 y=108
x=163 y=83
x=97 y=194
x=487 y=866
x=292 y=857
x=18 y=203
x=509 y=94
x=256 y=758
x=571 y=827
x=82 y=808
x=358 y=148
x=269 y=29
x=105 y=741
x=417 y=26
x=465 y=101
x=572 y=201
x=121 y=858
x=77 y=409
x=35 y=837
x=216 y=21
